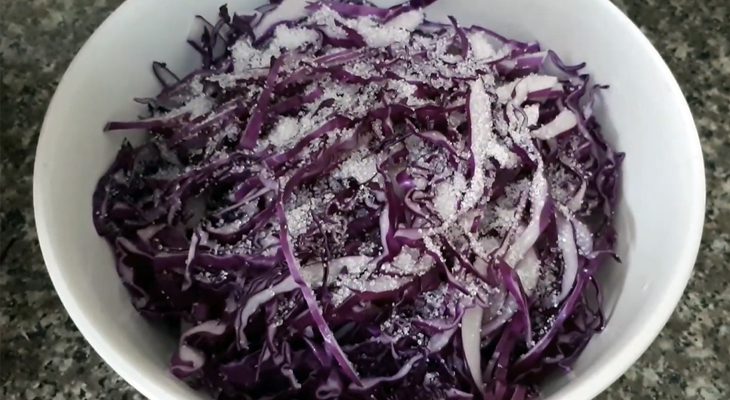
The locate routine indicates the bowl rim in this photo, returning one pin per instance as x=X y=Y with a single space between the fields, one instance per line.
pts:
x=591 y=386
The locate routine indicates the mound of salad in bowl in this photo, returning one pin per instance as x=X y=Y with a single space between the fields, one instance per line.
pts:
x=352 y=202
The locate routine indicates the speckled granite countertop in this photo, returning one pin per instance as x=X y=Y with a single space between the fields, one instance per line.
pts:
x=43 y=356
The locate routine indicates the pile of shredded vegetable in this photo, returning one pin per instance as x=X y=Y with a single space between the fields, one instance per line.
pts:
x=352 y=202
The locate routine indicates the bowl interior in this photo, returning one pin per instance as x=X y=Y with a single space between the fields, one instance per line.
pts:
x=644 y=114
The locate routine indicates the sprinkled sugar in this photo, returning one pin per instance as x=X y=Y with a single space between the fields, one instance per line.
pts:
x=285 y=132
x=361 y=166
x=448 y=202
x=374 y=33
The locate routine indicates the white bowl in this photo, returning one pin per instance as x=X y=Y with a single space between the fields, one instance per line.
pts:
x=644 y=114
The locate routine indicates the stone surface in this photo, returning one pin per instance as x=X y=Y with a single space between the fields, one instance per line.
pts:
x=42 y=355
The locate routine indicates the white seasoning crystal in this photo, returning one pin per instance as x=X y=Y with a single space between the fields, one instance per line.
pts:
x=485 y=143
x=284 y=133
x=374 y=33
x=482 y=47
x=290 y=38
x=300 y=218
x=404 y=90
x=361 y=166
x=410 y=262
x=246 y=57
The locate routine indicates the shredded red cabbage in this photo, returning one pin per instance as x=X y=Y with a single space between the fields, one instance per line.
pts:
x=354 y=202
